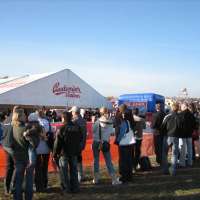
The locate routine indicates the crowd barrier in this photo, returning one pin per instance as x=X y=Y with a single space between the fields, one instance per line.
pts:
x=147 y=150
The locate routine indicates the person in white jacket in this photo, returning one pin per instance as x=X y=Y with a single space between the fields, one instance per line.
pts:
x=102 y=130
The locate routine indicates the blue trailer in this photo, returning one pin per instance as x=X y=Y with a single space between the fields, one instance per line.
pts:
x=145 y=102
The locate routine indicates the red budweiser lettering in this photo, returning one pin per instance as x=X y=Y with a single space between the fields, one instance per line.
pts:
x=69 y=91
x=136 y=104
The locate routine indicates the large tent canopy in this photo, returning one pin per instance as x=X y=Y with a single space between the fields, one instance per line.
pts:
x=59 y=89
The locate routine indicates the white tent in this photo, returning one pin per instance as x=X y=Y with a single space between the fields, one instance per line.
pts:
x=59 y=89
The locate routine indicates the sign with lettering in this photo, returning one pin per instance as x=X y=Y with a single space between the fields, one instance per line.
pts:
x=67 y=91
x=142 y=106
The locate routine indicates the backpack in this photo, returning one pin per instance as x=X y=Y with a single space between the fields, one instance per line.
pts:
x=71 y=139
x=145 y=164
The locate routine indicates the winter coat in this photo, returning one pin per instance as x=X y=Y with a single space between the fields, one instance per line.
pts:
x=106 y=129
x=157 y=120
x=68 y=140
x=188 y=123
x=20 y=144
x=83 y=128
x=172 y=125
x=7 y=137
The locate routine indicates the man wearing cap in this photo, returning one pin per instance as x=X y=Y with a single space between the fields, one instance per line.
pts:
x=77 y=119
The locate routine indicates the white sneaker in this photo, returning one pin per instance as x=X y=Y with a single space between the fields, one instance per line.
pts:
x=116 y=182
x=95 y=181
x=96 y=178
x=79 y=177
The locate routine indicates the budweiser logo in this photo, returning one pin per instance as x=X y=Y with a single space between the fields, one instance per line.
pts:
x=136 y=104
x=68 y=91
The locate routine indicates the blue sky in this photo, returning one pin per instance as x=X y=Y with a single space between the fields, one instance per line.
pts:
x=117 y=46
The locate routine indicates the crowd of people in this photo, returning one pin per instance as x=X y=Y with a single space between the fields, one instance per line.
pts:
x=28 y=140
x=177 y=130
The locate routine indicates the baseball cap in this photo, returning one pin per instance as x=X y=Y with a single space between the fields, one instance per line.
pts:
x=75 y=109
x=33 y=117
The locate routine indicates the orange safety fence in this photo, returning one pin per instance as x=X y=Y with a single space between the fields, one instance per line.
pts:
x=147 y=150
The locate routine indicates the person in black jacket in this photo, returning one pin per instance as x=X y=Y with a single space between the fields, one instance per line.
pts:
x=2 y=118
x=195 y=134
x=66 y=149
x=77 y=119
x=158 y=117
x=7 y=144
x=188 y=126
x=171 y=129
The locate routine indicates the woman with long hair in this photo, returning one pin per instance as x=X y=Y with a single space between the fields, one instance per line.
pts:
x=125 y=141
x=21 y=159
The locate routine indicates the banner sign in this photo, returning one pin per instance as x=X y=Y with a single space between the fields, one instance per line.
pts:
x=142 y=106
x=67 y=91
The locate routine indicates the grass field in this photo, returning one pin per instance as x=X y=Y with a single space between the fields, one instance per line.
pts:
x=145 y=186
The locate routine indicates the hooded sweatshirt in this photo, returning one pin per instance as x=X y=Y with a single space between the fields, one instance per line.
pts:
x=106 y=129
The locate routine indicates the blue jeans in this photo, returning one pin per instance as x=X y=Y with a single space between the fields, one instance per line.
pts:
x=21 y=168
x=32 y=155
x=69 y=173
x=107 y=157
x=167 y=142
x=186 y=149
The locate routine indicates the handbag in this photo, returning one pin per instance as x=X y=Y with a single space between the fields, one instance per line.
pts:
x=128 y=138
x=104 y=145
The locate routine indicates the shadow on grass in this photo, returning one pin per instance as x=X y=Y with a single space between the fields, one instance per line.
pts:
x=151 y=185
x=53 y=190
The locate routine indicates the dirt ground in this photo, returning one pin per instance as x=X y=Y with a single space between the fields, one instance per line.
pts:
x=145 y=186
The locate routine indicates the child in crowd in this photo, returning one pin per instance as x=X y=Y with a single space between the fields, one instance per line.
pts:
x=32 y=134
